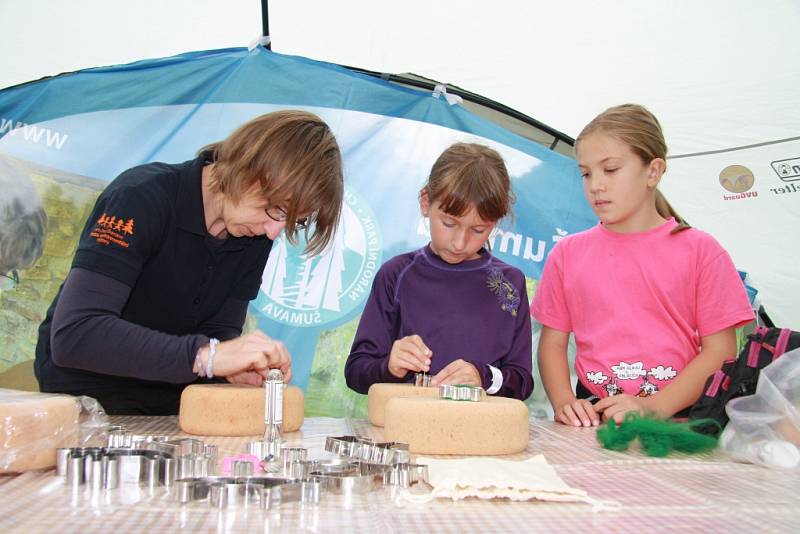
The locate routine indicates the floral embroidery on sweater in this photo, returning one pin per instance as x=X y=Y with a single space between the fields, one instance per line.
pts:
x=505 y=292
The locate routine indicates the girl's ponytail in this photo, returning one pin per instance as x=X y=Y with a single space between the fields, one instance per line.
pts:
x=664 y=209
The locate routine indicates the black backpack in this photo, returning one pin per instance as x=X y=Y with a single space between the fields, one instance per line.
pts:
x=738 y=377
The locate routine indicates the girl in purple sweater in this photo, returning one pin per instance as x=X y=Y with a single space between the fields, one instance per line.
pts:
x=450 y=309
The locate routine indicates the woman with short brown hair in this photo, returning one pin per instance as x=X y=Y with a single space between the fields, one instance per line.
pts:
x=170 y=257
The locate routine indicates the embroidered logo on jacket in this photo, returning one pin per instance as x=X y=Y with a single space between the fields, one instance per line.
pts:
x=505 y=292
x=112 y=230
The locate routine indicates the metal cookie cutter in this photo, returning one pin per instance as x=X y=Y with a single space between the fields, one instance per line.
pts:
x=155 y=461
x=231 y=492
x=388 y=453
x=347 y=446
x=405 y=475
x=460 y=392
x=117 y=437
x=193 y=458
x=368 y=451
x=366 y=476
x=107 y=468
x=422 y=379
x=290 y=456
x=264 y=450
x=303 y=491
x=179 y=447
x=303 y=469
x=360 y=479
x=134 y=466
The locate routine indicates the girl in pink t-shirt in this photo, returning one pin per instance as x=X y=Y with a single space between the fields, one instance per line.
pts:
x=653 y=303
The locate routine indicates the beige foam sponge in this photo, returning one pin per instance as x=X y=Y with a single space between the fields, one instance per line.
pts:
x=495 y=425
x=234 y=410
x=33 y=426
x=379 y=394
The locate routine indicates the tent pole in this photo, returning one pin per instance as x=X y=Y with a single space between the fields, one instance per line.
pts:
x=265 y=21
x=472 y=97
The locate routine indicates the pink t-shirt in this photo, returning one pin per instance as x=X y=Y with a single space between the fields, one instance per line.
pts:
x=638 y=303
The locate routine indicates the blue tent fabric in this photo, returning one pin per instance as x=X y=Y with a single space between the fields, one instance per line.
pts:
x=95 y=123
x=233 y=75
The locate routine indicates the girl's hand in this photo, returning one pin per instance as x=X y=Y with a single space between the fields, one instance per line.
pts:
x=616 y=406
x=458 y=372
x=577 y=412
x=254 y=352
x=409 y=354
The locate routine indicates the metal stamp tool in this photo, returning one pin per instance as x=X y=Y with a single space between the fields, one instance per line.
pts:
x=273 y=411
x=268 y=449
x=460 y=392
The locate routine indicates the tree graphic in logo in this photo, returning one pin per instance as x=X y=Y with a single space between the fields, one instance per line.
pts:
x=309 y=291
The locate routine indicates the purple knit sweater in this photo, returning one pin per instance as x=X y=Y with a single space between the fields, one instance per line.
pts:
x=476 y=310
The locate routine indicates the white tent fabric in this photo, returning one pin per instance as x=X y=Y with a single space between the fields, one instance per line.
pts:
x=720 y=75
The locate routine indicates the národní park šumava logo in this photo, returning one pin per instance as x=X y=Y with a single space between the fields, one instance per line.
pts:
x=304 y=291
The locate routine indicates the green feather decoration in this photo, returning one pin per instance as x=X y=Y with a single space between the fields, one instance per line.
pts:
x=657 y=436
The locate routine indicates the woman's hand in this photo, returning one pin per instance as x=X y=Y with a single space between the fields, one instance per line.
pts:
x=409 y=354
x=458 y=372
x=577 y=412
x=252 y=354
x=250 y=378
x=616 y=406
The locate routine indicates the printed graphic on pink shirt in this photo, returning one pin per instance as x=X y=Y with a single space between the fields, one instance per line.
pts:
x=631 y=378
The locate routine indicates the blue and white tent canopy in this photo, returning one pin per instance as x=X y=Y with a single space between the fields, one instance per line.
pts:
x=88 y=126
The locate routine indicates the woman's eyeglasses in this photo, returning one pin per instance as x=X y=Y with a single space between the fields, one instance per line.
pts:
x=9 y=281
x=278 y=214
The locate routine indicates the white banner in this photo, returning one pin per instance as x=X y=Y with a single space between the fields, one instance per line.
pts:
x=748 y=199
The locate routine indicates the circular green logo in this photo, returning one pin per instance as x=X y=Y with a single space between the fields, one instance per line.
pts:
x=304 y=291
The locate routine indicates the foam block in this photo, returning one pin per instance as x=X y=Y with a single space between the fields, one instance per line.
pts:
x=234 y=410
x=33 y=426
x=495 y=425
x=379 y=394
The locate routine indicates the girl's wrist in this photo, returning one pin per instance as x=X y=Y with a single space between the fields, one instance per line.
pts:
x=561 y=399
x=651 y=404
